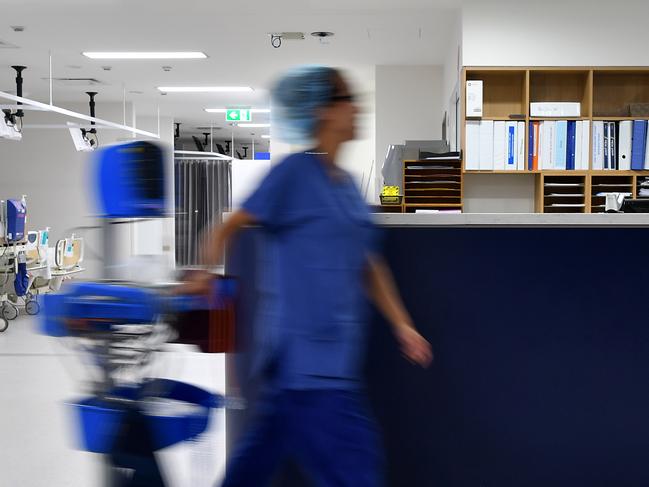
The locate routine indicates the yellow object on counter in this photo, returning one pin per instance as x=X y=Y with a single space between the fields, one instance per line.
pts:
x=391 y=191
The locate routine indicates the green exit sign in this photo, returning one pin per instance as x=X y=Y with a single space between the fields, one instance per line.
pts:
x=238 y=115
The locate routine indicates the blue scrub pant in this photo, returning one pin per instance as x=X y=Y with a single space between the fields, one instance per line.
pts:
x=329 y=433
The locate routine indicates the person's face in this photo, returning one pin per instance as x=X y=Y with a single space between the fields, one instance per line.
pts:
x=340 y=115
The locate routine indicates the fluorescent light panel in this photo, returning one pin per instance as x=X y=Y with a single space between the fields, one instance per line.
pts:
x=223 y=110
x=253 y=125
x=265 y=136
x=205 y=89
x=146 y=55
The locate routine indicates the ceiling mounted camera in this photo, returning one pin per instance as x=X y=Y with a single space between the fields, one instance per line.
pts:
x=276 y=38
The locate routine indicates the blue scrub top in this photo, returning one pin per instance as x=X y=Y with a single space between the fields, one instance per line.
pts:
x=311 y=327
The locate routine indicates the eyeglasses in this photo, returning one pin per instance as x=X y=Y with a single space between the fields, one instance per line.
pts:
x=337 y=98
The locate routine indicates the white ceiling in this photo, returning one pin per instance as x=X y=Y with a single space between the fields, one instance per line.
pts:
x=233 y=34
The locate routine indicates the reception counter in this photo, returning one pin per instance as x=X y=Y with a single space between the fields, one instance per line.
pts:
x=540 y=329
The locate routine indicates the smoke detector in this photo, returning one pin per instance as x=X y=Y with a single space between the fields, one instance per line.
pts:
x=322 y=34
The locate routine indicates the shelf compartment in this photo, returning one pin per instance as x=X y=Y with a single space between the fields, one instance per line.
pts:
x=433 y=200
x=561 y=193
x=435 y=165
x=436 y=173
x=441 y=208
x=614 y=91
x=609 y=183
x=427 y=187
x=562 y=86
x=503 y=92
x=640 y=180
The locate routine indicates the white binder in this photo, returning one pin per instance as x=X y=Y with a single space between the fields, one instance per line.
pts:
x=585 y=145
x=472 y=156
x=520 y=144
x=500 y=146
x=624 y=145
x=598 y=145
x=486 y=145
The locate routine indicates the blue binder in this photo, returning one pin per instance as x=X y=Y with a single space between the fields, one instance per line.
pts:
x=607 y=160
x=571 y=145
x=511 y=147
x=612 y=150
x=638 y=145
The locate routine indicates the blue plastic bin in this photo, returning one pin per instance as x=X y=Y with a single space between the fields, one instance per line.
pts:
x=100 y=420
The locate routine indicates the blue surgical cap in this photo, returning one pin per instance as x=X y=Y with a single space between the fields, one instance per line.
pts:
x=296 y=98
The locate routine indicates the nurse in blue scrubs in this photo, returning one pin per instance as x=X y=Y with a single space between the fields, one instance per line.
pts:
x=322 y=266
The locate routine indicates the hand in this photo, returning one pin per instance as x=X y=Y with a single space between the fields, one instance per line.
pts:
x=414 y=346
x=196 y=282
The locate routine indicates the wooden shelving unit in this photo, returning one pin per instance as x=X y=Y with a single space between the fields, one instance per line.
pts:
x=432 y=184
x=611 y=183
x=562 y=193
x=605 y=93
x=640 y=183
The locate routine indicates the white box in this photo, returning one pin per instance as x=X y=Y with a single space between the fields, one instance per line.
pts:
x=555 y=109
x=474 y=98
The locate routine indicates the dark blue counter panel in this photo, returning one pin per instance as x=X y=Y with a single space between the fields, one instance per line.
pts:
x=541 y=375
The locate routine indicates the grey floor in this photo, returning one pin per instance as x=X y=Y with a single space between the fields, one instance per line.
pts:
x=39 y=374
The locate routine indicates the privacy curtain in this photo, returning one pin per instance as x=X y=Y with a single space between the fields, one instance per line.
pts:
x=203 y=191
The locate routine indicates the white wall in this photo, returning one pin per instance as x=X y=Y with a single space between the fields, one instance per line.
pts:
x=409 y=106
x=358 y=156
x=453 y=62
x=555 y=33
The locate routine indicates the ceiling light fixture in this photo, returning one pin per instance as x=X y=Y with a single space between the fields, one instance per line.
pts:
x=265 y=136
x=223 y=110
x=205 y=89
x=146 y=55
x=253 y=125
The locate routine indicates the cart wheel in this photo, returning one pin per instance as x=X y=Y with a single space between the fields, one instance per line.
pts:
x=9 y=311
x=4 y=324
x=32 y=308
